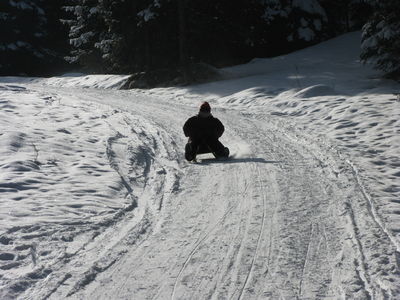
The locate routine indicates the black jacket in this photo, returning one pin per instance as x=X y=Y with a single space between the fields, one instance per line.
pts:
x=203 y=127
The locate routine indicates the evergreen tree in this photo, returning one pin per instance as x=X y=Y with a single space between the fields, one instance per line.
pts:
x=111 y=36
x=23 y=32
x=346 y=15
x=293 y=24
x=224 y=32
x=381 y=38
x=57 y=32
x=32 y=38
x=141 y=35
x=112 y=40
x=86 y=26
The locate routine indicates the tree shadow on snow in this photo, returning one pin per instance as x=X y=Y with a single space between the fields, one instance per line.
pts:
x=234 y=160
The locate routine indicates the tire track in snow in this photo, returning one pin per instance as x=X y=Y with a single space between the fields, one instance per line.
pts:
x=156 y=166
x=246 y=282
x=362 y=271
x=312 y=240
x=198 y=243
x=238 y=287
x=132 y=233
x=371 y=207
x=273 y=193
x=356 y=237
x=372 y=280
x=111 y=158
x=232 y=257
x=306 y=261
x=302 y=172
x=111 y=254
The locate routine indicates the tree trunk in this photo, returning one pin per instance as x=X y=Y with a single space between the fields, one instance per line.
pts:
x=182 y=39
x=147 y=55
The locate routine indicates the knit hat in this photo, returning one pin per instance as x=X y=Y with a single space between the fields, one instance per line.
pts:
x=205 y=107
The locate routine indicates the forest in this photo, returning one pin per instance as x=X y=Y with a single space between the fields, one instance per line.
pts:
x=172 y=38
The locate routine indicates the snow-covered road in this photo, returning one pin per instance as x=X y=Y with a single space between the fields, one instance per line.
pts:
x=99 y=203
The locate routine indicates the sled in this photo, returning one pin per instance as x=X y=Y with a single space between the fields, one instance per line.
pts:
x=204 y=149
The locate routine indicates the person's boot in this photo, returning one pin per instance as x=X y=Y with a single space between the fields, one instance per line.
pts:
x=226 y=154
x=189 y=154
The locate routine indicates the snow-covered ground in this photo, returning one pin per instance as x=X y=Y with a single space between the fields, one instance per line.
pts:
x=97 y=200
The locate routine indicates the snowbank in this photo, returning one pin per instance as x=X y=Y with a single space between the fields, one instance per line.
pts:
x=86 y=81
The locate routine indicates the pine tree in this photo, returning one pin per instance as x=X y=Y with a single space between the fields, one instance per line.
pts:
x=293 y=24
x=112 y=36
x=23 y=33
x=123 y=44
x=142 y=35
x=308 y=20
x=346 y=15
x=32 y=38
x=57 y=32
x=108 y=38
x=223 y=32
x=359 y=11
x=381 y=38
x=86 y=25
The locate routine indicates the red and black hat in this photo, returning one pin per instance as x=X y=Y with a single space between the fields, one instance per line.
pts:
x=205 y=107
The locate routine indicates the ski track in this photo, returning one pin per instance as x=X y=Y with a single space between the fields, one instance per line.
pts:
x=286 y=218
x=263 y=208
x=198 y=243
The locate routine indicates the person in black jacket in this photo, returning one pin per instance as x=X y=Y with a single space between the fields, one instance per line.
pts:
x=204 y=131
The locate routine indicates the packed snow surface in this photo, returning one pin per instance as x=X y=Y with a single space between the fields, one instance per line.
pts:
x=97 y=201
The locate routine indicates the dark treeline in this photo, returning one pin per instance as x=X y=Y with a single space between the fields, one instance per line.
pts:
x=33 y=41
x=42 y=37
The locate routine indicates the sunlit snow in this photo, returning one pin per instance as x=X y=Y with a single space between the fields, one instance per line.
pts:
x=97 y=201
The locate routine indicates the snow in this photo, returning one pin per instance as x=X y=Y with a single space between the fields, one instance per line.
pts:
x=12 y=47
x=20 y=4
x=49 y=162
x=317 y=24
x=98 y=202
x=82 y=39
x=271 y=13
x=146 y=14
x=93 y=11
x=4 y=16
x=21 y=44
x=310 y=6
x=306 y=34
x=90 y=81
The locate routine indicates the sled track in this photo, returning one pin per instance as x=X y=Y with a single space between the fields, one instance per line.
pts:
x=199 y=242
x=362 y=272
x=239 y=292
x=114 y=164
x=357 y=239
x=242 y=290
x=371 y=207
x=237 y=251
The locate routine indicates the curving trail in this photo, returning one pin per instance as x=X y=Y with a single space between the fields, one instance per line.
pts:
x=285 y=218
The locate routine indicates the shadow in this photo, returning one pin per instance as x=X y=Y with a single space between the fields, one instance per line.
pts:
x=333 y=63
x=233 y=160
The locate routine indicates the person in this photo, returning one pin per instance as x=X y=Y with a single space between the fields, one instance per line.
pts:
x=203 y=131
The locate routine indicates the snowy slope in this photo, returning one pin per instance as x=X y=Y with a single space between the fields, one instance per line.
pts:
x=98 y=202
